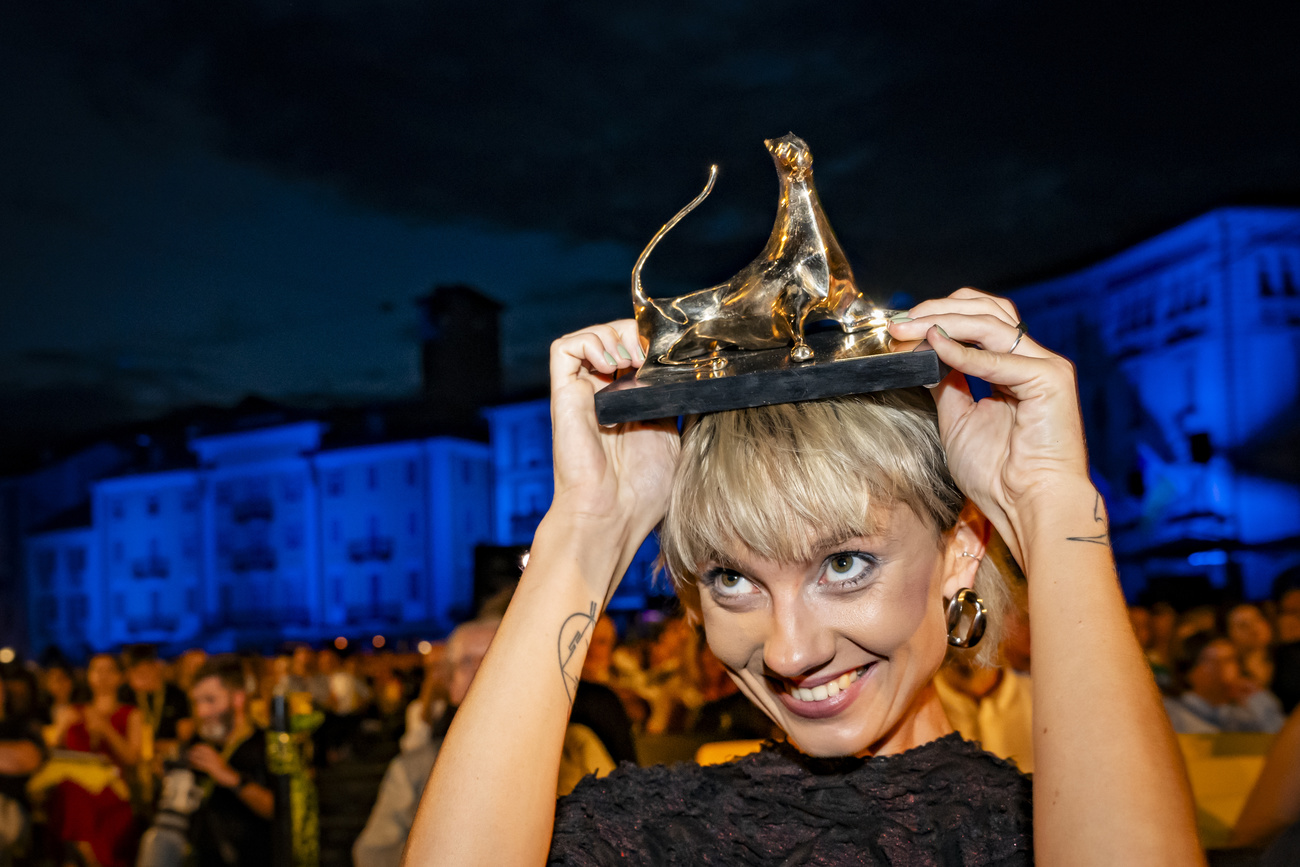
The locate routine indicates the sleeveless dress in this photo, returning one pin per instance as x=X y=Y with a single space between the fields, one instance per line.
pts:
x=946 y=802
x=103 y=819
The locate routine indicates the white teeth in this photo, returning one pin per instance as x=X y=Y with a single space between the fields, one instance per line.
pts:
x=827 y=690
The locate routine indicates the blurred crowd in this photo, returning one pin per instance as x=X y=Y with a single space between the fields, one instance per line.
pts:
x=86 y=750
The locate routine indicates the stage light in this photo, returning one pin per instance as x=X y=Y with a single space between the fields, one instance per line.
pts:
x=377 y=641
x=424 y=647
x=6 y=655
x=341 y=643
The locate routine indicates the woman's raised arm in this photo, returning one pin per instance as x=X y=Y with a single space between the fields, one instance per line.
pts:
x=1109 y=782
x=491 y=796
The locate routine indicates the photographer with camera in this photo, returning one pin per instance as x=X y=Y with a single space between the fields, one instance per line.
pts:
x=223 y=785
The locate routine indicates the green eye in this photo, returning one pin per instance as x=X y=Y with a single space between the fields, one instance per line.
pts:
x=848 y=567
x=729 y=580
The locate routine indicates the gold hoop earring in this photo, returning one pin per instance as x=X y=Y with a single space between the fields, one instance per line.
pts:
x=979 y=620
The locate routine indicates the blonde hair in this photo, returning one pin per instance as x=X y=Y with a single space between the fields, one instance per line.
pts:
x=774 y=479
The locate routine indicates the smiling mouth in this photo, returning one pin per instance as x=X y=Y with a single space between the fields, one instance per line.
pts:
x=827 y=690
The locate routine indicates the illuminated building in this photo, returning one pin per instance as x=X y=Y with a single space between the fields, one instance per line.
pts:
x=270 y=538
x=1188 y=351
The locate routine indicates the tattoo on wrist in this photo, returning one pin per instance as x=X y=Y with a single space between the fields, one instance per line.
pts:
x=572 y=632
x=1102 y=538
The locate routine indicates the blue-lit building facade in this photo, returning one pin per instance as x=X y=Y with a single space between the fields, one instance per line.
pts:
x=270 y=538
x=1188 y=352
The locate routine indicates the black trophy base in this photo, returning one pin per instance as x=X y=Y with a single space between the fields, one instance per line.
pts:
x=842 y=364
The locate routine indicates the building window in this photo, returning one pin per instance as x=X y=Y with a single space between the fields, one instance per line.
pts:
x=119 y=605
x=77 y=608
x=293 y=536
x=118 y=509
x=292 y=488
x=190 y=546
x=45 y=566
x=151 y=504
x=334 y=483
x=189 y=500
x=338 y=590
x=76 y=566
x=225 y=493
x=51 y=609
x=413 y=584
x=413 y=523
x=191 y=600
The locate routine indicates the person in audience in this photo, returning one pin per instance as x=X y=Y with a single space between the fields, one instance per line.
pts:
x=1250 y=632
x=1215 y=697
x=232 y=825
x=595 y=704
x=992 y=705
x=94 y=818
x=187 y=666
x=163 y=706
x=381 y=841
x=431 y=704
x=21 y=752
x=58 y=686
x=1164 y=619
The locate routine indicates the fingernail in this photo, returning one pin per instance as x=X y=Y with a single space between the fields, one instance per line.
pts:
x=939 y=328
x=610 y=358
x=900 y=317
x=623 y=352
x=640 y=353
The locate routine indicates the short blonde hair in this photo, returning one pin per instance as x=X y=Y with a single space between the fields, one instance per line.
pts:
x=773 y=479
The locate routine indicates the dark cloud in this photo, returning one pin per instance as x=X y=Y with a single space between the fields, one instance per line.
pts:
x=987 y=126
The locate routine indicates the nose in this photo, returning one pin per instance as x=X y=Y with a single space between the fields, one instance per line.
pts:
x=799 y=643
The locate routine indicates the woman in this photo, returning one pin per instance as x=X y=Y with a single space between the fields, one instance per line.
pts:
x=1252 y=636
x=96 y=819
x=779 y=611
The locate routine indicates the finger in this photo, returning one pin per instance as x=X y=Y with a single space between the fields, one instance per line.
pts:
x=1005 y=304
x=952 y=398
x=986 y=331
x=970 y=306
x=593 y=349
x=1022 y=376
x=621 y=340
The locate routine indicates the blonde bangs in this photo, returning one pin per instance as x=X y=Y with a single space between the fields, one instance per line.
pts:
x=776 y=480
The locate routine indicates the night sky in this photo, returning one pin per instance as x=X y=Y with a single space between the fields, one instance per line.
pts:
x=203 y=201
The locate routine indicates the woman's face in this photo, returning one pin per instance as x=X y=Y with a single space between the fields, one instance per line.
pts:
x=58 y=685
x=839 y=651
x=103 y=676
x=1247 y=628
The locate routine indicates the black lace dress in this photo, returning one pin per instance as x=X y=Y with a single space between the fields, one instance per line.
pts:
x=945 y=802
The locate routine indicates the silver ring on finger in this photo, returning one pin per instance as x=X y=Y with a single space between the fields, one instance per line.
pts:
x=1021 y=331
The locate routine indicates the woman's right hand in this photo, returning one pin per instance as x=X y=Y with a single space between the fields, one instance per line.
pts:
x=613 y=479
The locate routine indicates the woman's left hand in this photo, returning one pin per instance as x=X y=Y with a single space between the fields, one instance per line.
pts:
x=1024 y=441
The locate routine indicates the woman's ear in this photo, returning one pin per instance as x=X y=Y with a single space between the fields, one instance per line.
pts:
x=967 y=542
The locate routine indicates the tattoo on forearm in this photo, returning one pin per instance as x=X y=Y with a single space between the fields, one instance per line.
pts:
x=1102 y=538
x=572 y=633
